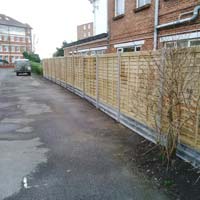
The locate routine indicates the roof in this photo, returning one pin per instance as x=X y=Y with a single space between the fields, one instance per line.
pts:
x=5 y=20
x=86 y=40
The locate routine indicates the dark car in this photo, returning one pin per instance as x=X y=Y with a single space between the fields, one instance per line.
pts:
x=22 y=66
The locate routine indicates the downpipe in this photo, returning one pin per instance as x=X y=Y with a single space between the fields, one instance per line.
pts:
x=181 y=21
x=174 y=23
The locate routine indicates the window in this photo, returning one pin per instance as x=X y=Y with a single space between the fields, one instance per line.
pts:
x=84 y=35
x=84 y=27
x=141 y=3
x=5 y=38
x=120 y=50
x=89 y=34
x=119 y=7
x=1 y=57
x=6 y=48
x=17 y=49
x=88 y=26
x=12 y=59
x=194 y=43
x=0 y=37
x=13 y=49
x=12 y=38
x=17 y=39
x=6 y=58
x=129 y=49
x=138 y=48
x=182 y=43
x=1 y=48
x=169 y=45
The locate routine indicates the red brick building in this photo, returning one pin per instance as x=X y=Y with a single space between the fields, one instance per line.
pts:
x=97 y=44
x=136 y=25
x=181 y=22
x=15 y=38
x=84 y=31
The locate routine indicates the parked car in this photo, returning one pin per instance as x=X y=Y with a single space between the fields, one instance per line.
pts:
x=22 y=66
x=3 y=62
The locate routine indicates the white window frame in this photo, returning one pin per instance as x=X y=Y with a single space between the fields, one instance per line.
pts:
x=17 y=49
x=189 y=43
x=17 y=39
x=12 y=38
x=121 y=49
x=145 y=2
x=5 y=38
x=118 y=10
x=12 y=59
x=175 y=42
x=12 y=48
x=6 y=48
x=6 y=58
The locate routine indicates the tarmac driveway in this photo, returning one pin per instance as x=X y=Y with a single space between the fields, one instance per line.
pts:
x=56 y=146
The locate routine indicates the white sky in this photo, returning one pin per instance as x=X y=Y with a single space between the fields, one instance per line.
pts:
x=53 y=21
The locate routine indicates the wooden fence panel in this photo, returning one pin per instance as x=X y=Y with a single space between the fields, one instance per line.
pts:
x=78 y=72
x=90 y=76
x=138 y=83
x=107 y=79
x=62 y=70
x=70 y=71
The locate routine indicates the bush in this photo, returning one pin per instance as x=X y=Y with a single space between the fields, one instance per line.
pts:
x=32 y=57
x=36 y=68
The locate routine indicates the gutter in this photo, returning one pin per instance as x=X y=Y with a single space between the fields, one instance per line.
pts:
x=174 y=23
x=181 y=21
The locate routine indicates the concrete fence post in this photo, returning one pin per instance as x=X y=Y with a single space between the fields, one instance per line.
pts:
x=73 y=74
x=118 y=84
x=83 y=77
x=97 y=81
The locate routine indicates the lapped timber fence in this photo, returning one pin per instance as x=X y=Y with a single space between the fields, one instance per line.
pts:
x=136 y=90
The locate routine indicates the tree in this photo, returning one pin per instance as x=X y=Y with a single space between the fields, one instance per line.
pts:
x=60 y=51
x=179 y=93
x=32 y=57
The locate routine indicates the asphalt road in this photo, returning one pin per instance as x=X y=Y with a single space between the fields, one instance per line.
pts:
x=56 y=146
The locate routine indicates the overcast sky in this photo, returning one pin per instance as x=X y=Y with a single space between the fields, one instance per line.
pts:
x=52 y=21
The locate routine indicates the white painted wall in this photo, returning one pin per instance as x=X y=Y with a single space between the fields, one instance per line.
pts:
x=100 y=16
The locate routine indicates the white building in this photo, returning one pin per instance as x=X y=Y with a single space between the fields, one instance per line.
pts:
x=100 y=16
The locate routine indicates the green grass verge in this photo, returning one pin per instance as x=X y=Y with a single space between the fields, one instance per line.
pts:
x=36 y=68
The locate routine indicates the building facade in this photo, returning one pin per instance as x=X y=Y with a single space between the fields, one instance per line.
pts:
x=136 y=25
x=84 y=31
x=15 y=38
x=97 y=44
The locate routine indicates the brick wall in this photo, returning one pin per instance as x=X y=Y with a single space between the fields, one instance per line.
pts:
x=134 y=25
x=138 y=24
x=170 y=10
